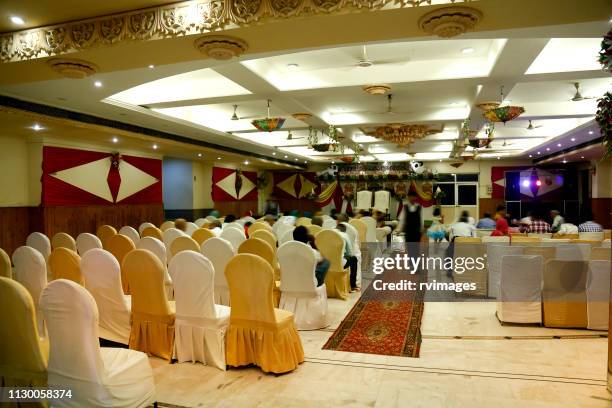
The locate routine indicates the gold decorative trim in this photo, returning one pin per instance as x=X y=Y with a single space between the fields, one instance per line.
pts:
x=301 y=116
x=172 y=21
x=488 y=105
x=400 y=133
x=449 y=22
x=380 y=89
x=221 y=47
x=72 y=67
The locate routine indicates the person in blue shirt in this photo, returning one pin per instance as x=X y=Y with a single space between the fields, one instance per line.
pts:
x=486 y=222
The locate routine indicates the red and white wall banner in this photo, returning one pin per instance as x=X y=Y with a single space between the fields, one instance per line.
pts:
x=82 y=177
x=233 y=185
x=292 y=185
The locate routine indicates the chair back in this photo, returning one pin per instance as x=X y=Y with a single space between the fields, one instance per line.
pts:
x=313 y=229
x=382 y=198
x=144 y=226
x=200 y=222
x=21 y=358
x=86 y=241
x=598 y=294
x=497 y=240
x=152 y=231
x=104 y=232
x=251 y=281
x=564 y=293
x=286 y=237
x=259 y=225
x=234 y=236
x=329 y=224
x=63 y=240
x=156 y=246
x=65 y=264
x=280 y=229
x=184 y=244
x=538 y=235
x=190 y=228
x=170 y=234
x=521 y=278
x=606 y=243
x=370 y=228
x=39 y=242
x=600 y=254
x=258 y=247
x=303 y=221
x=193 y=278
x=547 y=253
x=364 y=200
x=131 y=233
x=30 y=271
x=524 y=240
x=266 y=236
x=468 y=240
x=102 y=276
x=286 y=219
x=166 y=225
x=71 y=315
x=573 y=252
x=6 y=269
x=331 y=245
x=120 y=245
x=495 y=253
x=201 y=235
x=297 y=264
x=219 y=252
x=146 y=274
x=353 y=235
x=361 y=227
x=234 y=224
x=591 y=236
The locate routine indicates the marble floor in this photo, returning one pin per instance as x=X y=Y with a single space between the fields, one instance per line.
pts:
x=467 y=359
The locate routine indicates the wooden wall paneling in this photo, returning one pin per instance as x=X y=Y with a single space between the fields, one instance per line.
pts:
x=14 y=227
x=602 y=211
x=237 y=208
x=488 y=205
x=287 y=205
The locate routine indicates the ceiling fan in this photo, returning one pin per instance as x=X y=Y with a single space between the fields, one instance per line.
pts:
x=236 y=117
x=578 y=96
x=363 y=61
x=388 y=111
x=531 y=127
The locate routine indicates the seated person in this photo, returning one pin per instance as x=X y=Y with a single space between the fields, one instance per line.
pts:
x=316 y=220
x=500 y=212
x=270 y=219
x=567 y=228
x=215 y=227
x=486 y=222
x=588 y=225
x=351 y=260
x=538 y=225
x=557 y=220
x=462 y=228
x=300 y=234
x=229 y=218
x=525 y=222
x=180 y=224
x=501 y=228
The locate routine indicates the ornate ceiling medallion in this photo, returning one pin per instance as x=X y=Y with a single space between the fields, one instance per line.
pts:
x=302 y=116
x=221 y=47
x=380 y=89
x=72 y=67
x=449 y=22
x=401 y=134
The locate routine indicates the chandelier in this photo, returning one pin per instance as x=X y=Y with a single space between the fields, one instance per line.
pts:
x=401 y=134
x=497 y=112
x=268 y=124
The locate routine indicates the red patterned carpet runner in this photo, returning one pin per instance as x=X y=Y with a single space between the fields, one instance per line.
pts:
x=383 y=322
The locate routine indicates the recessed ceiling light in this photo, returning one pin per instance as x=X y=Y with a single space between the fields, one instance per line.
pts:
x=573 y=139
x=296 y=159
x=333 y=162
x=498 y=158
x=467 y=50
x=538 y=152
x=115 y=140
x=246 y=162
x=273 y=153
x=218 y=158
x=564 y=161
x=98 y=84
x=199 y=154
x=530 y=156
x=305 y=161
x=17 y=20
x=292 y=66
x=151 y=66
x=440 y=160
x=154 y=147
x=285 y=156
x=36 y=127
x=548 y=149
x=507 y=101
x=582 y=157
x=558 y=144
x=590 y=132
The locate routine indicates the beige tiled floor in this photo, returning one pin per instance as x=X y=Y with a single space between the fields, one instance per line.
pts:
x=482 y=370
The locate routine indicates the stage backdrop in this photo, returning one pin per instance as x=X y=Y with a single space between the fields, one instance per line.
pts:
x=82 y=177
x=233 y=185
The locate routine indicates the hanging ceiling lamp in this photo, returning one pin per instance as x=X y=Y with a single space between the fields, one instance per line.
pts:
x=503 y=113
x=268 y=124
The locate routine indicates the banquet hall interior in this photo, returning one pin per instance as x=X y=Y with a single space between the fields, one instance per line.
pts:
x=194 y=196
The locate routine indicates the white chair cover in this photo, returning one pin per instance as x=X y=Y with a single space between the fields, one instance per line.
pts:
x=86 y=241
x=497 y=240
x=31 y=271
x=299 y=292
x=326 y=217
x=144 y=226
x=355 y=246
x=364 y=200
x=131 y=233
x=550 y=242
x=97 y=376
x=233 y=225
x=382 y=198
x=200 y=325
x=159 y=250
x=286 y=237
x=40 y=242
x=573 y=252
x=102 y=276
x=598 y=295
x=281 y=229
x=606 y=243
x=520 y=299
x=235 y=236
x=371 y=231
x=495 y=252
x=169 y=236
x=191 y=228
x=200 y=221
x=592 y=236
x=329 y=224
x=286 y=219
x=219 y=251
